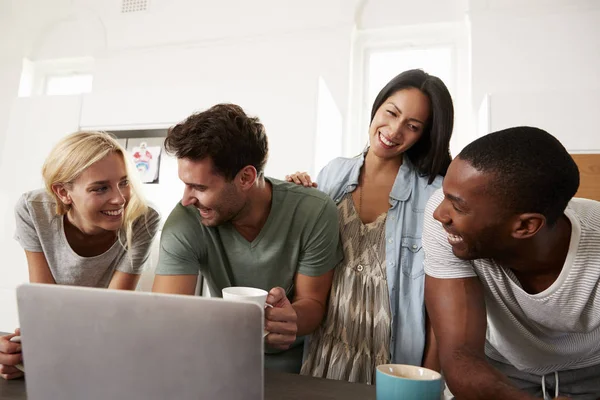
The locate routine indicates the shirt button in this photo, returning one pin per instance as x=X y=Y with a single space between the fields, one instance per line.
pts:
x=359 y=268
x=391 y=263
x=391 y=241
x=414 y=246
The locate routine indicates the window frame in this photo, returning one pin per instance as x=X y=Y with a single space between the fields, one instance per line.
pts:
x=367 y=42
x=39 y=71
x=65 y=74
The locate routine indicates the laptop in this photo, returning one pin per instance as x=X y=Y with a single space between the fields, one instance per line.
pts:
x=86 y=343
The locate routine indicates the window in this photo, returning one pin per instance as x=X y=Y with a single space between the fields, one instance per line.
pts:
x=68 y=84
x=380 y=54
x=54 y=77
x=383 y=65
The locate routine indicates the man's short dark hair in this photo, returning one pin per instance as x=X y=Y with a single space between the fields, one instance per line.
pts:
x=531 y=169
x=224 y=132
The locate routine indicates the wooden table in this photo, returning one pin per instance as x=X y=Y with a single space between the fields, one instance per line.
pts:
x=278 y=386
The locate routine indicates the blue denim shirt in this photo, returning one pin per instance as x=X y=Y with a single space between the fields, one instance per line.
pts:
x=403 y=250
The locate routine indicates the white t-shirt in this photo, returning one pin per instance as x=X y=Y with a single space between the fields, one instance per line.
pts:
x=557 y=329
x=39 y=229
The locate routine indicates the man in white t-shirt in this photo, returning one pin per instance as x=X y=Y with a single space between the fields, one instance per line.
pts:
x=505 y=240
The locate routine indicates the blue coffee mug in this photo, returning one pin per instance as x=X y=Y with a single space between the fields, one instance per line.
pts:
x=407 y=382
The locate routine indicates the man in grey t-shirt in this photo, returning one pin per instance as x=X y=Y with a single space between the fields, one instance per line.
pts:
x=238 y=228
x=506 y=240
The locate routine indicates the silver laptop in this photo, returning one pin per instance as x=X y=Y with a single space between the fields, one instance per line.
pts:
x=83 y=343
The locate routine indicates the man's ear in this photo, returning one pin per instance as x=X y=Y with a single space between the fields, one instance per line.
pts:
x=246 y=177
x=527 y=225
x=62 y=193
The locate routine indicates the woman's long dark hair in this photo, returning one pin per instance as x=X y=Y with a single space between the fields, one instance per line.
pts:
x=431 y=154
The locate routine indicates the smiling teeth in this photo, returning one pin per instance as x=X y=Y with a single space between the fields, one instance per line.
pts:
x=113 y=213
x=454 y=239
x=386 y=141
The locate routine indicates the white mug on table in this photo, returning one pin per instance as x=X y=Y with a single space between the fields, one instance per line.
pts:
x=242 y=293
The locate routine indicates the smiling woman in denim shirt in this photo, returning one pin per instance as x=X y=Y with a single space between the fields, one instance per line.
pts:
x=376 y=313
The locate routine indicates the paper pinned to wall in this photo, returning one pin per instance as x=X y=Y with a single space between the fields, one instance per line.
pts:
x=147 y=161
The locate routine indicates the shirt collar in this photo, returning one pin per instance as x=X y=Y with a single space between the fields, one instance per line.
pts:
x=403 y=184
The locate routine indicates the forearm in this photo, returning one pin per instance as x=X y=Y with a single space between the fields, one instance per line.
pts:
x=431 y=358
x=310 y=313
x=472 y=378
x=123 y=281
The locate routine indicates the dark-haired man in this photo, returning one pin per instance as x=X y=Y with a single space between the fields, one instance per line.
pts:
x=506 y=240
x=237 y=227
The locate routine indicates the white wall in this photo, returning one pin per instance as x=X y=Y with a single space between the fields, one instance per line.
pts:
x=36 y=125
x=274 y=78
x=10 y=64
x=539 y=62
x=567 y=114
x=377 y=14
x=203 y=53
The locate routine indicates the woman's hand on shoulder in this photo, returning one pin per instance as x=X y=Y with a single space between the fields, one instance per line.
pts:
x=301 y=178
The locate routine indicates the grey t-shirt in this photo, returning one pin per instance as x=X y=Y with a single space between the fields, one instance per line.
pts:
x=39 y=229
x=301 y=235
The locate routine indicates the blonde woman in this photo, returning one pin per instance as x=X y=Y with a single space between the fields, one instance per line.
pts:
x=88 y=227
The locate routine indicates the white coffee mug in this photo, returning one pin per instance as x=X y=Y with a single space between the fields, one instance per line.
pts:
x=242 y=293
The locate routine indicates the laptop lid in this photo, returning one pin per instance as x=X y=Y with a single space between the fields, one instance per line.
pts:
x=86 y=343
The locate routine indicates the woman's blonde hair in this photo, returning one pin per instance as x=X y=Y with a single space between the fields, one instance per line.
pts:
x=76 y=153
